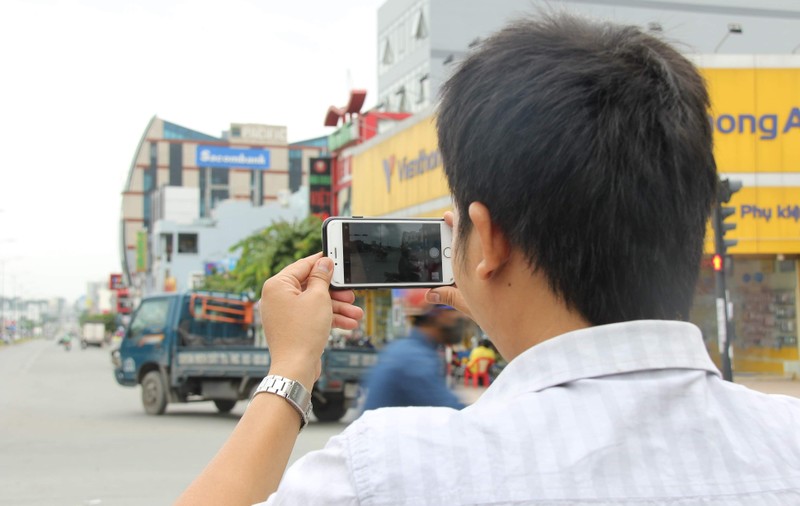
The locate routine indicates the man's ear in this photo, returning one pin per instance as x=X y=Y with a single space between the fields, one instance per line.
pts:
x=494 y=247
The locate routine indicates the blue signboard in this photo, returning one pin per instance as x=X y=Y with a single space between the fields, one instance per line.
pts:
x=217 y=156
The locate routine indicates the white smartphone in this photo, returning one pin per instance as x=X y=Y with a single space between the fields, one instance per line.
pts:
x=388 y=253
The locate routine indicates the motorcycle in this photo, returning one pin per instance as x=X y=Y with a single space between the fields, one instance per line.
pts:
x=66 y=342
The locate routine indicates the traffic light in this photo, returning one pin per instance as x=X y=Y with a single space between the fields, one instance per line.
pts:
x=716 y=261
x=725 y=190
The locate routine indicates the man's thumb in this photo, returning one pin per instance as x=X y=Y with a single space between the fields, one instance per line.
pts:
x=449 y=296
x=320 y=277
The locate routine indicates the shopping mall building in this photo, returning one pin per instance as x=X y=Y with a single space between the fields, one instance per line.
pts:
x=190 y=196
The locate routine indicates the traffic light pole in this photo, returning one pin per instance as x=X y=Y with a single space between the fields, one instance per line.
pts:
x=724 y=325
x=725 y=328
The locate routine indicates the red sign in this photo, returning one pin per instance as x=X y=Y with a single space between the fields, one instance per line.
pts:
x=124 y=302
x=319 y=187
x=115 y=282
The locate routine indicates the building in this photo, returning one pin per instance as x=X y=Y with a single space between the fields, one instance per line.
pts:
x=356 y=127
x=418 y=40
x=745 y=54
x=171 y=223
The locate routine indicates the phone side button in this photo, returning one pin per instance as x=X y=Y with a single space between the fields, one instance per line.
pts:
x=446 y=252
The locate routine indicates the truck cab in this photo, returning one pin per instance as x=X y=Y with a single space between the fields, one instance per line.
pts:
x=205 y=346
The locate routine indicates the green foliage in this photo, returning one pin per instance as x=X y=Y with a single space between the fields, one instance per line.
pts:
x=266 y=252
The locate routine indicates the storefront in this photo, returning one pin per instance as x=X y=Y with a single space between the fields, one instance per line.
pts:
x=756 y=119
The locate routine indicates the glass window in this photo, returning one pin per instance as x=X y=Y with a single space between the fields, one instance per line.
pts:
x=175 y=164
x=763 y=297
x=218 y=196
x=763 y=293
x=187 y=243
x=387 y=57
x=421 y=89
x=150 y=318
x=166 y=246
x=419 y=29
x=219 y=176
x=203 y=196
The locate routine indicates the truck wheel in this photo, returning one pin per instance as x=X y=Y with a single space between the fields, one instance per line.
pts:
x=224 y=406
x=330 y=411
x=154 y=394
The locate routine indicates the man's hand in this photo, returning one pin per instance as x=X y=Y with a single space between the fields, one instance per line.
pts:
x=298 y=310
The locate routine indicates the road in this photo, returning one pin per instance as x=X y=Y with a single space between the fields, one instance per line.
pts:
x=69 y=435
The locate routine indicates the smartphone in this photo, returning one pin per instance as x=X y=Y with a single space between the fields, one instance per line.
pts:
x=388 y=253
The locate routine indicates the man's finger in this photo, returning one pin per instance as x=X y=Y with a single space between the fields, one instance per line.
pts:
x=348 y=310
x=450 y=296
x=347 y=296
x=344 y=323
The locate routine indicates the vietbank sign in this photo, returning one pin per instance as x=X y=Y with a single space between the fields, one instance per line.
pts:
x=399 y=170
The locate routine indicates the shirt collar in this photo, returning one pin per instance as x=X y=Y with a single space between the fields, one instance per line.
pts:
x=601 y=351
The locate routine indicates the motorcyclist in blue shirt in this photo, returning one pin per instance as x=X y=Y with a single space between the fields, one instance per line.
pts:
x=410 y=371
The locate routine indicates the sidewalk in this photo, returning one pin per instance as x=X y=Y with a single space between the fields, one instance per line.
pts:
x=767 y=384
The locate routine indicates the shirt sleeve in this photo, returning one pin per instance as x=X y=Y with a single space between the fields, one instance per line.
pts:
x=319 y=477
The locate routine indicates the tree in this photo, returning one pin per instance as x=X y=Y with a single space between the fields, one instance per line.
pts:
x=266 y=252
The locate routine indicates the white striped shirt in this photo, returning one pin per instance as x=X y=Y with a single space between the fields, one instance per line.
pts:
x=632 y=413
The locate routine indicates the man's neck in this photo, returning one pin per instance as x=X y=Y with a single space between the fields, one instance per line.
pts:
x=525 y=310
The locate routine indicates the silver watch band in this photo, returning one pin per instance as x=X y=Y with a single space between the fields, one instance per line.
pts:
x=293 y=391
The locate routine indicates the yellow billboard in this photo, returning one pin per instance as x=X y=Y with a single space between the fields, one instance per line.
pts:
x=755 y=113
x=767 y=221
x=400 y=173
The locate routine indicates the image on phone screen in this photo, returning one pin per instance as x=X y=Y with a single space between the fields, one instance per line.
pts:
x=392 y=253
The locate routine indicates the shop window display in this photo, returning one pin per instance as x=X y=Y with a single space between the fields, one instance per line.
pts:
x=763 y=293
x=764 y=297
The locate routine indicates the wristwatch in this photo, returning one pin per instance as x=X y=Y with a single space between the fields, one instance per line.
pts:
x=293 y=391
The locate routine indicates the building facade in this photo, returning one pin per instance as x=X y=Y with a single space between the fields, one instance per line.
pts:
x=172 y=223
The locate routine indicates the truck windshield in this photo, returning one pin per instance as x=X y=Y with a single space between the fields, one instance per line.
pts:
x=150 y=319
x=202 y=325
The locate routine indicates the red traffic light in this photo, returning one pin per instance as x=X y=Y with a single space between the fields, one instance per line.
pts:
x=716 y=261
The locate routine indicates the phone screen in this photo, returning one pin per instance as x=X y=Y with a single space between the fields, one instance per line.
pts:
x=392 y=252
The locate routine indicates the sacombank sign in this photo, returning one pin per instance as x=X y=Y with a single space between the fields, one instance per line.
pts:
x=216 y=156
x=408 y=169
x=766 y=126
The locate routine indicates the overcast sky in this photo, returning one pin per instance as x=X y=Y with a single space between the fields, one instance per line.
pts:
x=81 y=79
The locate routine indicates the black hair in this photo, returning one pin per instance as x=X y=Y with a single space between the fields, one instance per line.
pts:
x=590 y=145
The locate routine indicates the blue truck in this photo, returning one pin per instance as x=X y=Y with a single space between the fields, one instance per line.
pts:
x=204 y=346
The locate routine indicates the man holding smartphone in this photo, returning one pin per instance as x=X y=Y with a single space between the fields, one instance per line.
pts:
x=579 y=156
